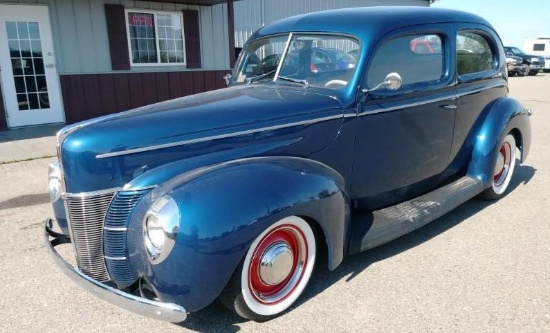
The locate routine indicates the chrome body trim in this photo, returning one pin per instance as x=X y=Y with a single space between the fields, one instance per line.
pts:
x=169 y=312
x=502 y=83
x=115 y=258
x=115 y=228
x=434 y=100
x=93 y=193
x=217 y=137
x=405 y=106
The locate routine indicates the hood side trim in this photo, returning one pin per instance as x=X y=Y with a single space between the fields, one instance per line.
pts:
x=218 y=137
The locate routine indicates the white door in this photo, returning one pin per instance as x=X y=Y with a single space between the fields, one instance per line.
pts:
x=28 y=73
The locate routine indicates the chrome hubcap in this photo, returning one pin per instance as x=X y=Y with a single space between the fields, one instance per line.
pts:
x=276 y=264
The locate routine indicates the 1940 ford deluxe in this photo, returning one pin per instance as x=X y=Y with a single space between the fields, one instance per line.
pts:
x=341 y=129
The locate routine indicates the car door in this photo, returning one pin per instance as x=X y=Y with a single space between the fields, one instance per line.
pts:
x=404 y=136
x=481 y=79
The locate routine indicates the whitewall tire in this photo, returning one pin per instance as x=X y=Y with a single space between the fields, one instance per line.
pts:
x=275 y=271
x=503 y=169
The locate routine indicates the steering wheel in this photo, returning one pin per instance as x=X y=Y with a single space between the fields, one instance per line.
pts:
x=336 y=83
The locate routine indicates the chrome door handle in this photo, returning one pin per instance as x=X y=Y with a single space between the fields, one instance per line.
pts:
x=450 y=106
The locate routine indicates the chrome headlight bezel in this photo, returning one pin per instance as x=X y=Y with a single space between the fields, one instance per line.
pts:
x=160 y=228
x=55 y=181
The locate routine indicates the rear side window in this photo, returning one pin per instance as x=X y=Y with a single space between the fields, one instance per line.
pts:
x=538 y=47
x=416 y=58
x=474 y=53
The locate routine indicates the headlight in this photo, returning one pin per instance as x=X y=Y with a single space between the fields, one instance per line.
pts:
x=160 y=228
x=55 y=181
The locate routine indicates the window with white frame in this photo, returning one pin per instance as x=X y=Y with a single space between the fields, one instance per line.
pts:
x=155 y=38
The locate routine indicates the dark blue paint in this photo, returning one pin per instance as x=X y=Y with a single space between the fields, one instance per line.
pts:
x=232 y=188
x=216 y=113
x=505 y=115
x=213 y=237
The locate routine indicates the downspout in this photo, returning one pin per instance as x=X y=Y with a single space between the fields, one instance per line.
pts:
x=231 y=32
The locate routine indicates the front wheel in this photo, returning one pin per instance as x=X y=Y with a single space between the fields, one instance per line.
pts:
x=504 y=169
x=524 y=70
x=274 y=272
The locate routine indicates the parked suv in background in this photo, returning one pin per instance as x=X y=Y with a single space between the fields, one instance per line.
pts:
x=535 y=62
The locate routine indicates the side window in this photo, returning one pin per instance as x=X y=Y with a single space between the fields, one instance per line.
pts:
x=538 y=47
x=416 y=58
x=473 y=53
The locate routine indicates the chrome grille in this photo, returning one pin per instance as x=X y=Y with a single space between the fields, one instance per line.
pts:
x=86 y=213
x=115 y=230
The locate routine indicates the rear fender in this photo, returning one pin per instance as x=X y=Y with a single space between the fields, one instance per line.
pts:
x=506 y=115
x=223 y=208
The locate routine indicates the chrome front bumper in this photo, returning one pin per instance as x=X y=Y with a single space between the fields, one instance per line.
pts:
x=157 y=310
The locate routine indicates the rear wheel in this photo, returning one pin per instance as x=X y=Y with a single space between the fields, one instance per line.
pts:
x=274 y=272
x=504 y=169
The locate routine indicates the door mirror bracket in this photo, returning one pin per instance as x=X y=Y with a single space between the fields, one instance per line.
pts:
x=392 y=82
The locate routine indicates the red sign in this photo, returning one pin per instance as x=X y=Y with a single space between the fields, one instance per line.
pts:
x=140 y=19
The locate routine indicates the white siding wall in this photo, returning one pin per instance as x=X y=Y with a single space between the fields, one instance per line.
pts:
x=80 y=37
x=250 y=15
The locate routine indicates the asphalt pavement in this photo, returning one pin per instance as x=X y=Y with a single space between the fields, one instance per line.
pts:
x=484 y=267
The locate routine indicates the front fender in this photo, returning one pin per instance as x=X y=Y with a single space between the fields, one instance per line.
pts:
x=506 y=115
x=224 y=208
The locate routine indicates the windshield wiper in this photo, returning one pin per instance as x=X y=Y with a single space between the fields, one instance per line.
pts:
x=259 y=77
x=289 y=79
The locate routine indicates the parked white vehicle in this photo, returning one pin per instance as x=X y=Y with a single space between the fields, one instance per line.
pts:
x=539 y=46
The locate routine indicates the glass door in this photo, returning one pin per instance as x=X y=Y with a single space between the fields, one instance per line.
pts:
x=29 y=77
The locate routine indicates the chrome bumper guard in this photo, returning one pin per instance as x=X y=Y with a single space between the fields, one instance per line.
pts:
x=169 y=312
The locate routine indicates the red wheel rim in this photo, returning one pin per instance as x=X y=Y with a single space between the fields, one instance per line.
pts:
x=272 y=293
x=502 y=164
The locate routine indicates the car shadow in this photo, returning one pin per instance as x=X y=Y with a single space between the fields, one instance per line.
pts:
x=25 y=201
x=216 y=318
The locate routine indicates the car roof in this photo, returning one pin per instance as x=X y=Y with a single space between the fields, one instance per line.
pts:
x=365 y=22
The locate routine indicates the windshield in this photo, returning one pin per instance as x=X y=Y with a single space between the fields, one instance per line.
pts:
x=516 y=51
x=306 y=59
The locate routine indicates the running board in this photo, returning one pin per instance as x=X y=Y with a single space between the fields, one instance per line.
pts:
x=376 y=228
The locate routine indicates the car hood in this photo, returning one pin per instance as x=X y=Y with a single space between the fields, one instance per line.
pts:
x=224 y=119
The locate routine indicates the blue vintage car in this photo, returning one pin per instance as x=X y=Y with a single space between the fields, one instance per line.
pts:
x=233 y=193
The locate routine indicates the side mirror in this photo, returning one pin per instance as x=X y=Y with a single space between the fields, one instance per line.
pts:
x=392 y=81
x=227 y=77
